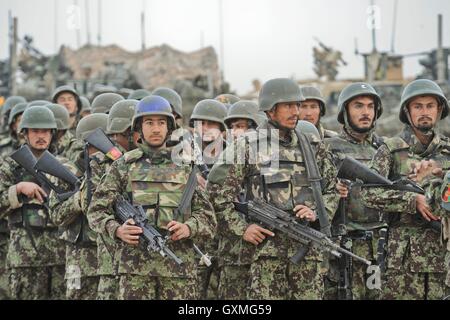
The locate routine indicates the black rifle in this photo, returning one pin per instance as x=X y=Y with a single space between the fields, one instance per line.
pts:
x=151 y=237
x=100 y=141
x=277 y=219
x=46 y=164
x=354 y=170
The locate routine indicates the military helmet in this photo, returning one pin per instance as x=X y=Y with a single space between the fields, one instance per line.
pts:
x=120 y=116
x=103 y=102
x=173 y=97
x=211 y=110
x=312 y=93
x=277 y=91
x=63 y=89
x=18 y=109
x=153 y=105
x=422 y=87
x=91 y=122
x=308 y=128
x=242 y=109
x=85 y=104
x=139 y=94
x=37 y=117
x=227 y=99
x=354 y=90
x=10 y=103
x=62 y=116
x=38 y=103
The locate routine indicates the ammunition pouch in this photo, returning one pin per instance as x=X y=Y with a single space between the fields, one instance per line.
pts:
x=30 y=215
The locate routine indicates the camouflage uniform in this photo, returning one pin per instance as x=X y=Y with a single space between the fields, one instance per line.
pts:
x=325 y=133
x=272 y=276
x=68 y=146
x=415 y=257
x=362 y=224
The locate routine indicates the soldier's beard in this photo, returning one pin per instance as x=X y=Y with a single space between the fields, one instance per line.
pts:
x=360 y=130
x=424 y=128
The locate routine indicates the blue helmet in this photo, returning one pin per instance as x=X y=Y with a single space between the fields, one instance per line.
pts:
x=153 y=105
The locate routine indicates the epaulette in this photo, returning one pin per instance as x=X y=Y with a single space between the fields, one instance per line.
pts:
x=133 y=155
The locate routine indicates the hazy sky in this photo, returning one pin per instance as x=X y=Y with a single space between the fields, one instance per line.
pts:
x=262 y=38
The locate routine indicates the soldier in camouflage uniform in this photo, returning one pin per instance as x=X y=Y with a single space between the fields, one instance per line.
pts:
x=68 y=97
x=359 y=108
x=415 y=257
x=119 y=129
x=103 y=102
x=279 y=178
x=5 y=110
x=66 y=144
x=150 y=178
x=15 y=139
x=81 y=241
x=207 y=119
x=313 y=108
x=35 y=255
x=241 y=117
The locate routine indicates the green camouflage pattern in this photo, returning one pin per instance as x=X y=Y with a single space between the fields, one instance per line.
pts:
x=68 y=146
x=108 y=287
x=286 y=186
x=325 y=133
x=234 y=282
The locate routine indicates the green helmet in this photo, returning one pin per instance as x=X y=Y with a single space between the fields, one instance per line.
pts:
x=103 y=102
x=38 y=103
x=227 y=99
x=312 y=93
x=242 y=109
x=422 y=87
x=172 y=96
x=153 y=105
x=120 y=116
x=85 y=104
x=17 y=110
x=139 y=94
x=211 y=110
x=354 y=90
x=278 y=90
x=308 y=128
x=10 y=103
x=69 y=89
x=89 y=123
x=37 y=117
x=61 y=114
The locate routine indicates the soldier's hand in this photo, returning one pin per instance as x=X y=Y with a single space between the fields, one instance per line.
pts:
x=201 y=181
x=31 y=190
x=179 y=230
x=256 y=234
x=424 y=169
x=303 y=212
x=424 y=209
x=129 y=233
x=342 y=189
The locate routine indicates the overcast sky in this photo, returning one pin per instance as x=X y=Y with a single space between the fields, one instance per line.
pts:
x=262 y=38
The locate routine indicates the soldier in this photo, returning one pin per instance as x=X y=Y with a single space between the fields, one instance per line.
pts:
x=70 y=215
x=313 y=108
x=207 y=119
x=148 y=175
x=66 y=144
x=139 y=94
x=35 y=255
x=415 y=267
x=69 y=98
x=85 y=107
x=119 y=128
x=6 y=109
x=241 y=117
x=103 y=102
x=14 y=140
x=282 y=181
x=359 y=108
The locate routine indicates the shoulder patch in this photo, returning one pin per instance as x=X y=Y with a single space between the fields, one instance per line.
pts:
x=133 y=155
x=395 y=144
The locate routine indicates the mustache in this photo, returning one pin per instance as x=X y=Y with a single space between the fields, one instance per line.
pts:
x=41 y=141
x=364 y=119
x=425 y=118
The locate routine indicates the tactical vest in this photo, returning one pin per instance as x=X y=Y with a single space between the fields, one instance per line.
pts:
x=403 y=159
x=31 y=213
x=284 y=181
x=157 y=186
x=357 y=212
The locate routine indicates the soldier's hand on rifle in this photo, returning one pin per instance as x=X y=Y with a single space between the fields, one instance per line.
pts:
x=424 y=169
x=179 y=230
x=256 y=234
x=342 y=188
x=31 y=190
x=423 y=208
x=129 y=233
x=303 y=212
x=201 y=181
